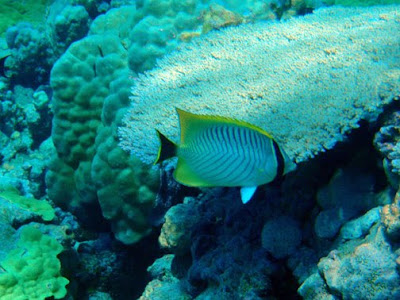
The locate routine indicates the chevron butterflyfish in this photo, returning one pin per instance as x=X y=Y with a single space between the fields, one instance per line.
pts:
x=218 y=151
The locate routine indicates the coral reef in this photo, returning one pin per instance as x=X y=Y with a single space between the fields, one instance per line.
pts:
x=231 y=251
x=330 y=230
x=390 y=218
x=39 y=207
x=91 y=94
x=217 y=254
x=23 y=134
x=29 y=261
x=164 y=282
x=271 y=247
x=364 y=2
x=175 y=232
x=34 y=47
x=68 y=25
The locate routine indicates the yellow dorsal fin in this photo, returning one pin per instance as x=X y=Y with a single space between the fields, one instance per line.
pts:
x=191 y=123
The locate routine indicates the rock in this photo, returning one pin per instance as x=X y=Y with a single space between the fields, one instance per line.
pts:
x=390 y=217
x=360 y=226
x=358 y=269
x=175 y=233
x=315 y=288
x=303 y=263
x=281 y=236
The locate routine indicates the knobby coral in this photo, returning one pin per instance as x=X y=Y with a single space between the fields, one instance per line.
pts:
x=32 y=269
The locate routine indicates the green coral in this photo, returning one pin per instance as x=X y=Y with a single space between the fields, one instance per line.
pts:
x=91 y=83
x=12 y=12
x=39 y=207
x=32 y=269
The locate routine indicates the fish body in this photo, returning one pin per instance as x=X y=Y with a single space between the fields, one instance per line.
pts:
x=218 y=151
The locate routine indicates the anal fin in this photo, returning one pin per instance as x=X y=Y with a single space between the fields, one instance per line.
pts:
x=247 y=192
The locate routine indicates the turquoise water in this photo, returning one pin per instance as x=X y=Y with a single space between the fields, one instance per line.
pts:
x=84 y=212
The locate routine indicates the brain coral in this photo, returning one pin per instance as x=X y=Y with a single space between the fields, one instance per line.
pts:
x=308 y=81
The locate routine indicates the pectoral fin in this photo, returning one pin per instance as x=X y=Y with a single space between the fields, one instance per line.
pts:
x=247 y=192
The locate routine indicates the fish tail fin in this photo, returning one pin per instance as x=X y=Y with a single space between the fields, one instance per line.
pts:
x=167 y=148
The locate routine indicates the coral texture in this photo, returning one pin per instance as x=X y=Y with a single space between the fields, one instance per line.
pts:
x=40 y=207
x=175 y=233
x=91 y=86
x=32 y=269
x=387 y=142
x=12 y=12
x=31 y=54
x=358 y=269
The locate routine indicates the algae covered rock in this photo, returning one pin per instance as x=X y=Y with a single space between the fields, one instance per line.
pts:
x=363 y=268
x=367 y=271
x=179 y=222
x=164 y=284
x=390 y=218
x=12 y=12
x=348 y=194
x=31 y=205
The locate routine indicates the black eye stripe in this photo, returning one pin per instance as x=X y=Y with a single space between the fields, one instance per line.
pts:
x=280 y=162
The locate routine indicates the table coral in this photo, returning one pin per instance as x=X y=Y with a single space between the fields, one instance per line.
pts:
x=307 y=81
x=91 y=83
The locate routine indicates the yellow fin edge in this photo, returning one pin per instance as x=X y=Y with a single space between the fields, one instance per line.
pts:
x=185 y=116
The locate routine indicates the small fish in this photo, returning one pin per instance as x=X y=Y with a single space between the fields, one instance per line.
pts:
x=219 y=151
